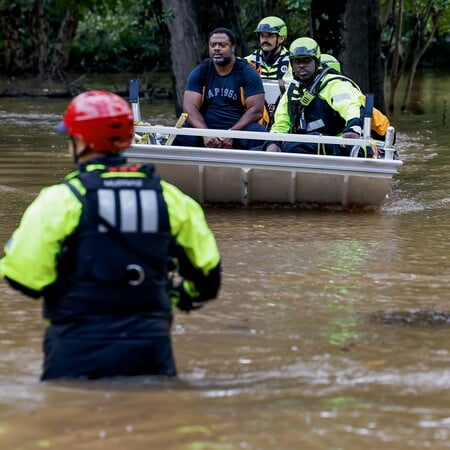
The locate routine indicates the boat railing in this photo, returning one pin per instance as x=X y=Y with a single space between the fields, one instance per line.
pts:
x=158 y=130
x=158 y=134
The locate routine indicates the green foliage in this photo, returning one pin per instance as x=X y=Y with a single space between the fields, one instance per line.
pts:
x=130 y=35
x=298 y=18
x=444 y=23
x=123 y=38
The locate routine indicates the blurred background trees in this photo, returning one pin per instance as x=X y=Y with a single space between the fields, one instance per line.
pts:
x=375 y=40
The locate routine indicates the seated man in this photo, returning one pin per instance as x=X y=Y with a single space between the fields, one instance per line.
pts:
x=225 y=93
x=316 y=102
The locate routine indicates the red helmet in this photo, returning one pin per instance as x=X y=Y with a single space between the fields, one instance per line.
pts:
x=103 y=120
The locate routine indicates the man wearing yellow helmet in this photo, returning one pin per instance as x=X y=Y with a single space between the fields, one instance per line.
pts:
x=98 y=248
x=316 y=102
x=272 y=58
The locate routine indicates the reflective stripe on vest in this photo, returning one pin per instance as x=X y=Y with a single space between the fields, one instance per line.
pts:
x=129 y=210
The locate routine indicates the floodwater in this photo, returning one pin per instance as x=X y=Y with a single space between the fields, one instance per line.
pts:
x=331 y=331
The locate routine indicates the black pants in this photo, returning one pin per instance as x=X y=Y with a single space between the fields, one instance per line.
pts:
x=310 y=148
x=78 y=356
x=324 y=149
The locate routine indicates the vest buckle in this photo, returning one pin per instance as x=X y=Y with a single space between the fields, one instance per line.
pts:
x=136 y=274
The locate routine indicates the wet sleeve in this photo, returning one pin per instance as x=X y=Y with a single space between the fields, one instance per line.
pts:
x=344 y=98
x=196 y=249
x=30 y=261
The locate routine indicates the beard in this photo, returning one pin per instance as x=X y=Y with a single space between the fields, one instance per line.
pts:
x=224 y=61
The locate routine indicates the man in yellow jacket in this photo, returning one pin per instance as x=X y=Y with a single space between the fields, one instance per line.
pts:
x=316 y=102
x=99 y=248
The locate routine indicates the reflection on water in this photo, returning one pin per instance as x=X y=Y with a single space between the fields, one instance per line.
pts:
x=331 y=330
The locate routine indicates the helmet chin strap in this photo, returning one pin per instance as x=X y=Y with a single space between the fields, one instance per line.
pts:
x=76 y=156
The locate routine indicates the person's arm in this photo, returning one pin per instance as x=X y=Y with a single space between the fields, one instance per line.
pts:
x=347 y=101
x=30 y=261
x=195 y=250
x=282 y=119
x=192 y=102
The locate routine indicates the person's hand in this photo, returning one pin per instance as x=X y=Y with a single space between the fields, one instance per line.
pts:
x=226 y=142
x=353 y=132
x=180 y=299
x=351 y=135
x=273 y=148
x=187 y=304
x=212 y=142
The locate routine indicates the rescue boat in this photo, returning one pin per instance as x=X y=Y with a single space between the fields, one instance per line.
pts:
x=245 y=177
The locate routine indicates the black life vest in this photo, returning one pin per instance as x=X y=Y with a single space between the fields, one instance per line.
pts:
x=274 y=71
x=308 y=112
x=118 y=259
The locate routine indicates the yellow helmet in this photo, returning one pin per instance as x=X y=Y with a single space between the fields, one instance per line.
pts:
x=331 y=61
x=273 y=25
x=304 y=46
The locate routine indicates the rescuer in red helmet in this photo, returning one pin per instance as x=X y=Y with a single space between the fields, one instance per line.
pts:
x=99 y=247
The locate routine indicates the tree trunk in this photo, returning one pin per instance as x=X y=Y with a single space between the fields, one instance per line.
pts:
x=356 y=56
x=420 y=51
x=362 y=60
x=39 y=38
x=186 y=44
x=376 y=58
x=327 y=25
x=64 y=41
x=14 y=53
x=221 y=13
x=396 y=72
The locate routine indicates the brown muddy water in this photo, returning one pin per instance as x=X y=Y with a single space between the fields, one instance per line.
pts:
x=331 y=331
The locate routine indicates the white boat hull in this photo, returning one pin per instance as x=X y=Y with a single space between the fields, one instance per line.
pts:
x=248 y=177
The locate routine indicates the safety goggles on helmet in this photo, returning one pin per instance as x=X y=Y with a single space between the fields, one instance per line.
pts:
x=304 y=46
x=266 y=28
x=273 y=25
x=302 y=52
